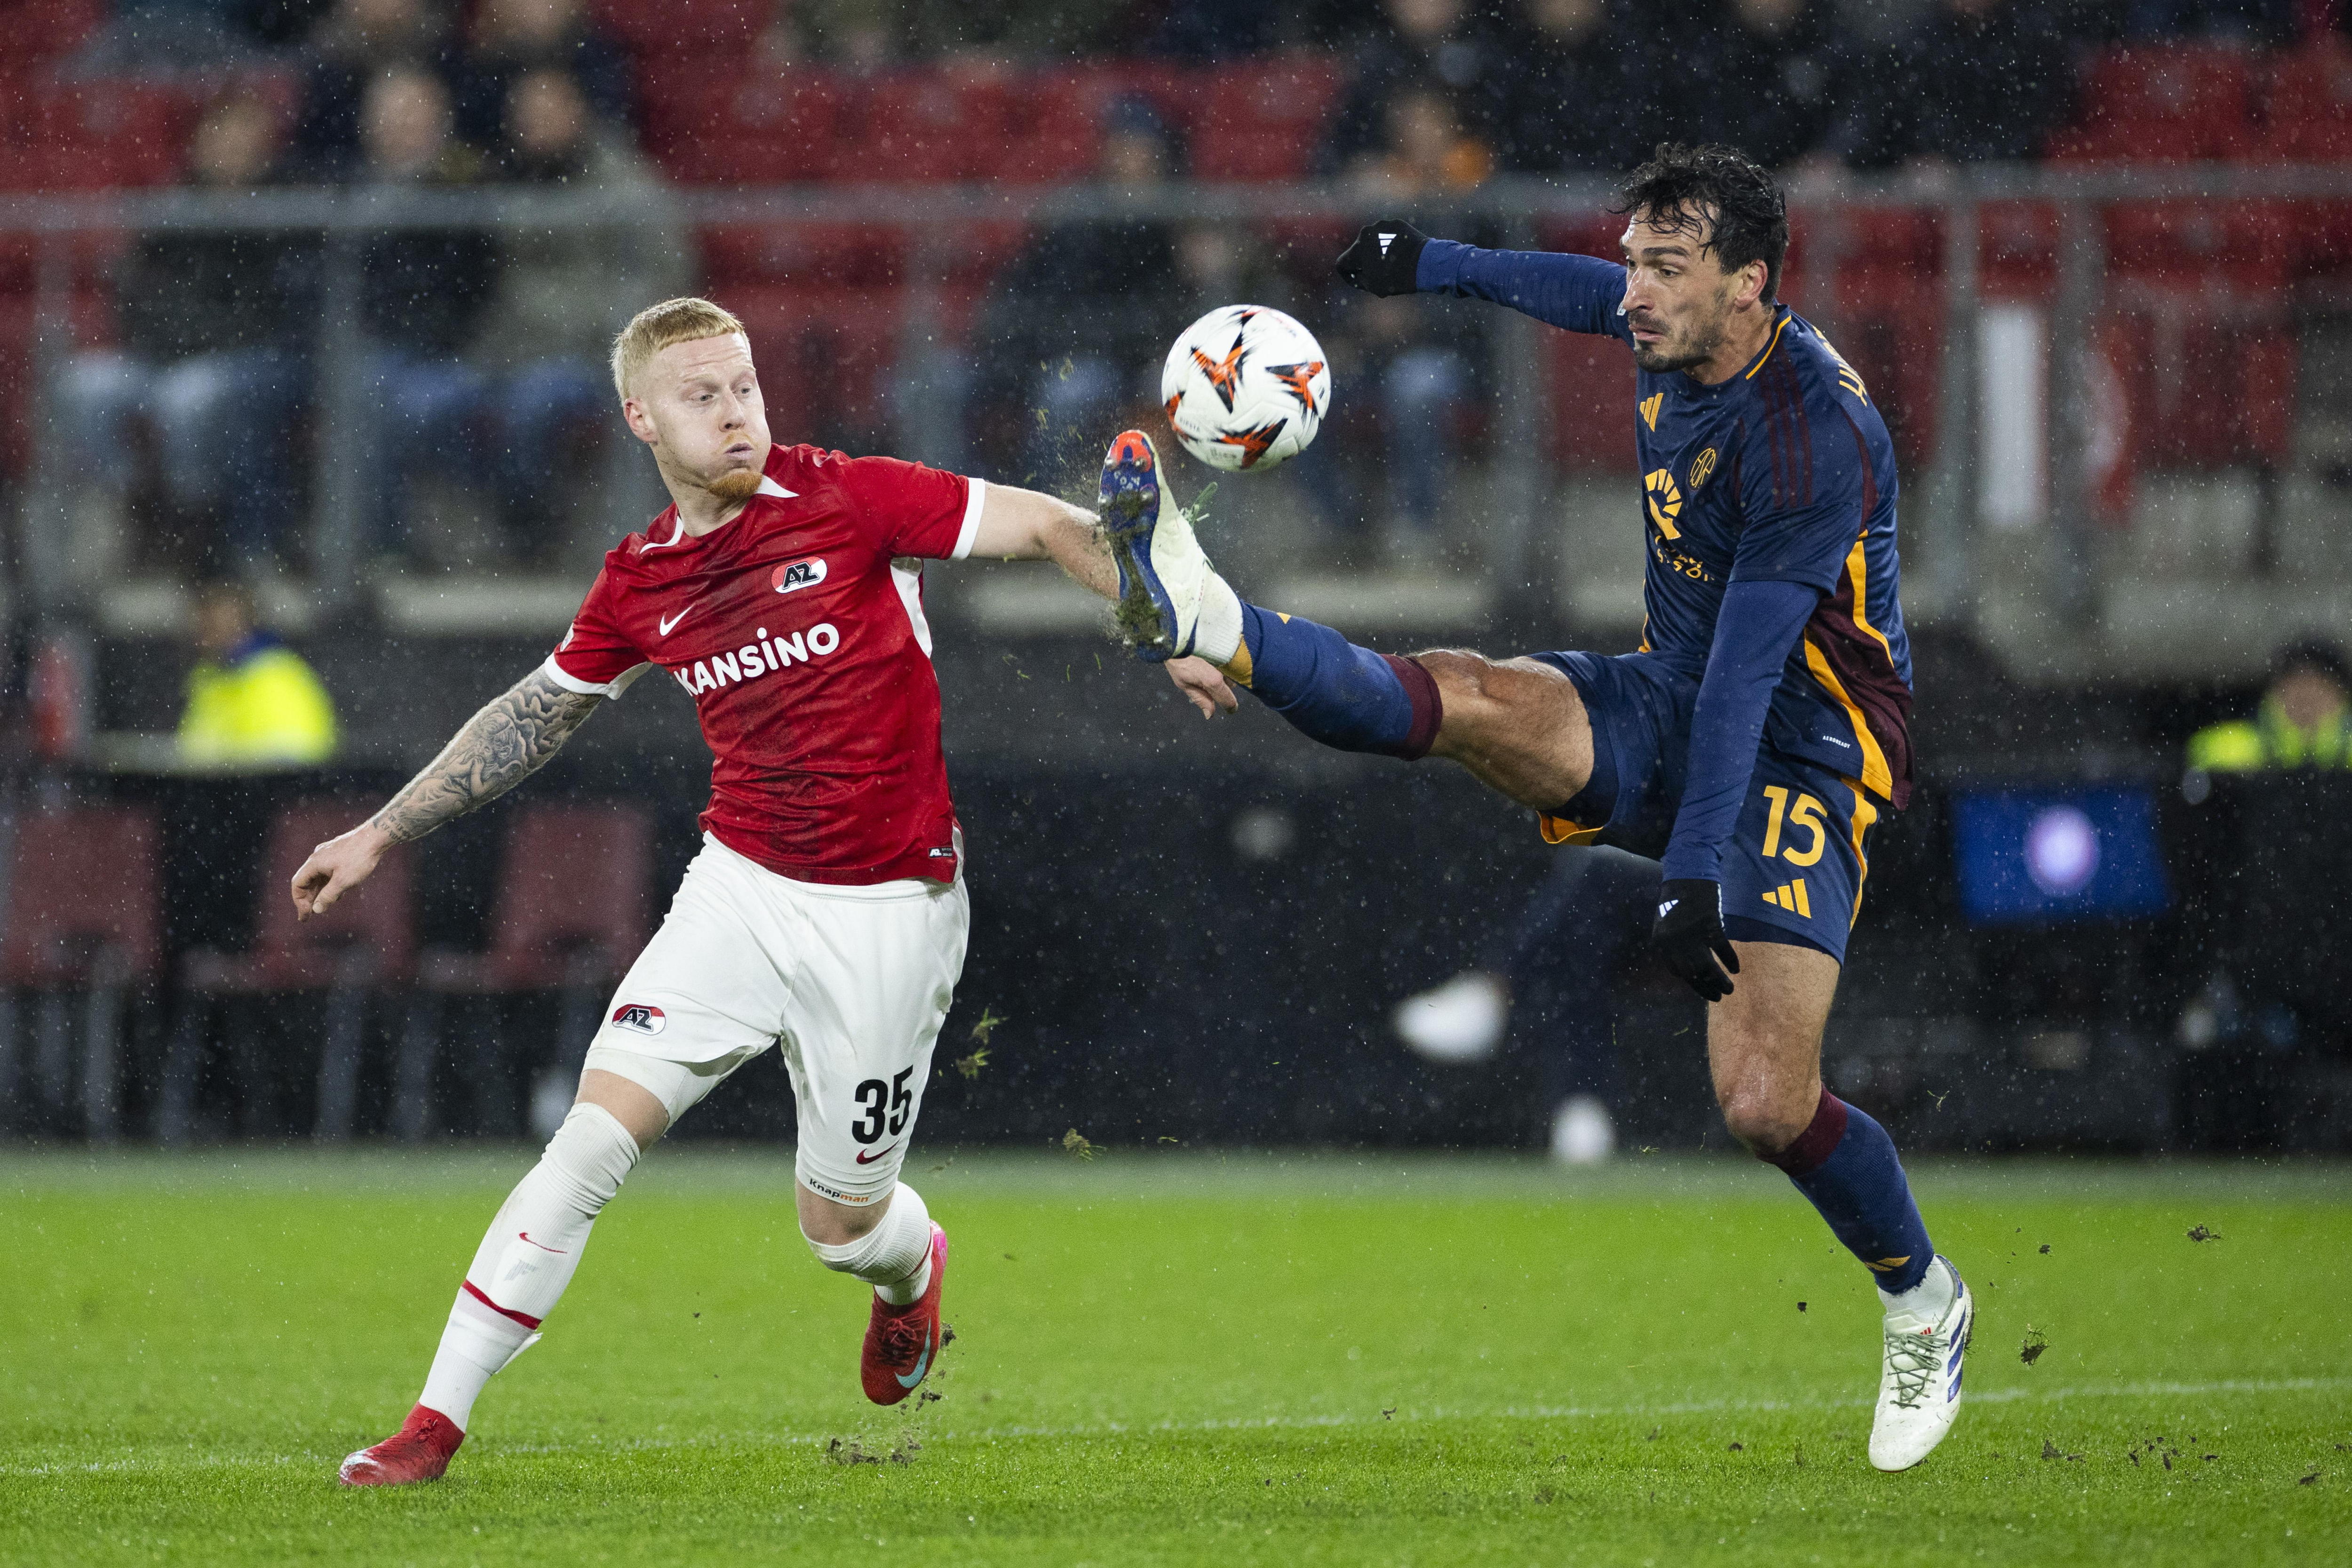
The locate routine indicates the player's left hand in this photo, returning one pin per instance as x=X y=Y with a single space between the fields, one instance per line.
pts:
x=1385 y=258
x=1204 y=685
x=1689 y=936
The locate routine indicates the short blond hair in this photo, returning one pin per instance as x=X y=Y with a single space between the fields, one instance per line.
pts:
x=655 y=328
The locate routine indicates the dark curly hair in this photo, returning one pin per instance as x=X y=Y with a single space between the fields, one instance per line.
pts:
x=1685 y=186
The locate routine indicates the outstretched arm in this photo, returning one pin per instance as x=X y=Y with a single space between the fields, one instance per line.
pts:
x=1025 y=525
x=511 y=738
x=1579 y=293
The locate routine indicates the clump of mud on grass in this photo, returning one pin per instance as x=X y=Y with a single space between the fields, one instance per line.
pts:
x=1077 y=1146
x=2036 y=1341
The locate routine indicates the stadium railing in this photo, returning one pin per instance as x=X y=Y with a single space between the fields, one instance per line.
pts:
x=2161 y=297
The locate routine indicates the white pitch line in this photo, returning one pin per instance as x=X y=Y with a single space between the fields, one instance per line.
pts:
x=2012 y=1395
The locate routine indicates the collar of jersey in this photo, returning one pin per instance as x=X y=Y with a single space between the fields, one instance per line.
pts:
x=679 y=535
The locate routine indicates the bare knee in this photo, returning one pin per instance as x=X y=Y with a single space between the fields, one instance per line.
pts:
x=1461 y=676
x=1766 y=1118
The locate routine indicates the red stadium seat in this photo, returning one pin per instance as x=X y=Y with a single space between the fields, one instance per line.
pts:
x=574 y=880
x=82 y=882
x=1592 y=397
x=2199 y=294
x=709 y=29
x=824 y=356
x=1265 y=120
x=756 y=127
x=920 y=126
x=1890 y=328
x=809 y=254
x=95 y=135
x=2307 y=117
x=1054 y=129
x=365 y=942
x=35 y=30
x=2181 y=103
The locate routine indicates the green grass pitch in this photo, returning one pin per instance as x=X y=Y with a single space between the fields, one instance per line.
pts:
x=1176 y=1359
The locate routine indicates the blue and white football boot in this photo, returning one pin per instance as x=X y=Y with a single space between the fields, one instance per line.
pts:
x=1162 y=568
x=1919 y=1387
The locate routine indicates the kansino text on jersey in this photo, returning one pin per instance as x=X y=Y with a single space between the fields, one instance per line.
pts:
x=754 y=659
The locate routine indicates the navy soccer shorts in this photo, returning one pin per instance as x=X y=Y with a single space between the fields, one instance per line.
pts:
x=1794 y=868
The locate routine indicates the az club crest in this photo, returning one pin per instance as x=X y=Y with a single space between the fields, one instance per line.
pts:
x=793 y=576
x=639 y=1016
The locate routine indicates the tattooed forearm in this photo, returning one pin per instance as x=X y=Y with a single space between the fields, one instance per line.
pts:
x=498 y=748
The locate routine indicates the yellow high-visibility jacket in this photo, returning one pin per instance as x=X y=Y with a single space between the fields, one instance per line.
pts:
x=2269 y=741
x=260 y=707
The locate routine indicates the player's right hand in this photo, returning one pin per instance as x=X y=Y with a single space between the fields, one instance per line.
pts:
x=1385 y=258
x=1204 y=685
x=1689 y=936
x=336 y=867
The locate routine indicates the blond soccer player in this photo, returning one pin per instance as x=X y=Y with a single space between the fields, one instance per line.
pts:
x=826 y=912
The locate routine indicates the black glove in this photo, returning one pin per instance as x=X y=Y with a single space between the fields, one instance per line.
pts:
x=1689 y=936
x=1384 y=258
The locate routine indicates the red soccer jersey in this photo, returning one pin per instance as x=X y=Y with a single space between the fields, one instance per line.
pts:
x=798 y=630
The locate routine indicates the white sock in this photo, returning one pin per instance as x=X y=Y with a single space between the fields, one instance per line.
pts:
x=1217 y=631
x=1930 y=1298
x=528 y=1257
x=895 y=1257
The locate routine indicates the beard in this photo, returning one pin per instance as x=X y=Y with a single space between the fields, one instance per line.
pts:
x=1699 y=344
x=735 y=486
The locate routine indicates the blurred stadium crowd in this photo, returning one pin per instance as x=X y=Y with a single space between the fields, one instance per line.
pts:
x=1103 y=171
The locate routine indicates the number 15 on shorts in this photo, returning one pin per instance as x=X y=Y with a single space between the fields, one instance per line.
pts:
x=883 y=1102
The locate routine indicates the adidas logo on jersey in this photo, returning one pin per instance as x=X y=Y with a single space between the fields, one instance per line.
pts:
x=1791 y=896
x=754 y=659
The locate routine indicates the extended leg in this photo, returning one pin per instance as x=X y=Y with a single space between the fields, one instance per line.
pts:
x=526 y=1260
x=1764 y=1047
x=1517 y=724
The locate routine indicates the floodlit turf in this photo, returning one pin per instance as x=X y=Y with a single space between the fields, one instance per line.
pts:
x=1178 y=1359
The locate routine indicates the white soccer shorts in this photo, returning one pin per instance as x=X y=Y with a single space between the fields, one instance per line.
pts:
x=853 y=981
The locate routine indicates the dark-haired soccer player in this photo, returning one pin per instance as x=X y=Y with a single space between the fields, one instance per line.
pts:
x=1751 y=742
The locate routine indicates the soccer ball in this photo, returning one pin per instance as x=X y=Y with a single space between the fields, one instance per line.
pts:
x=1246 y=387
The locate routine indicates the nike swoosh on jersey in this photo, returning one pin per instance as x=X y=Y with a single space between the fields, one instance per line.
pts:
x=867 y=1156
x=669 y=621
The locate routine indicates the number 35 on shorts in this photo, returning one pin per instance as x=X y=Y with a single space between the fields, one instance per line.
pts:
x=884 y=1105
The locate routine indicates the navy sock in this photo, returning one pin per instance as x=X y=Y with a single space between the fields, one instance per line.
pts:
x=1846 y=1163
x=1344 y=696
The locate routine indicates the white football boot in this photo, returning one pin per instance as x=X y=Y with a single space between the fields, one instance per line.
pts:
x=1163 y=570
x=1920 y=1386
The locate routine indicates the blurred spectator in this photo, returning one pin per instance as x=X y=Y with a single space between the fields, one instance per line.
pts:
x=151 y=38
x=422 y=297
x=2261 y=21
x=1564 y=966
x=216 y=330
x=1069 y=319
x=2300 y=722
x=1439 y=46
x=252 y=702
x=562 y=294
x=1576 y=99
x=1208 y=30
x=1780 y=82
x=356 y=44
x=509 y=37
x=1972 y=81
x=1408 y=352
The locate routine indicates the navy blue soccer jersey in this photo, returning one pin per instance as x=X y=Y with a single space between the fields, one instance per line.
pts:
x=1782 y=474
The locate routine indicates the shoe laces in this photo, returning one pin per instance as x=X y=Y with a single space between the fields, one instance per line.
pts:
x=1913 y=1357
x=904 y=1336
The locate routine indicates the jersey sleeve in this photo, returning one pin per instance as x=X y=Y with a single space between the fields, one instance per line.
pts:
x=595 y=655
x=916 y=511
x=1805 y=492
x=1577 y=293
